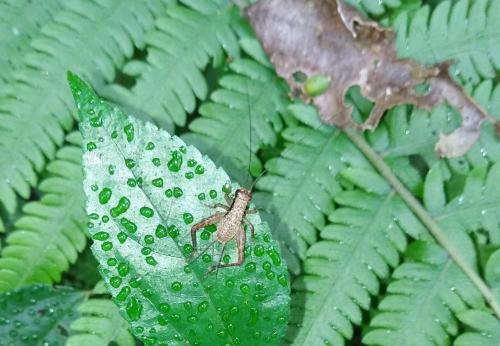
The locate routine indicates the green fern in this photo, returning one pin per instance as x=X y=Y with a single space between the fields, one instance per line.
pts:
x=485 y=329
x=51 y=232
x=381 y=7
x=426 y=291
x=20 y=20
x=171 y=80
x=35 y=106
x=465 y=31
x=99 y=323
x=249 y=102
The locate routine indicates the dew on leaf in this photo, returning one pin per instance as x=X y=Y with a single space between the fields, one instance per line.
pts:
x=123 y=294
x=123 y=269
x=94 y=187
x=129 y=132
x=96 y=121
x=114 y=134
x=266 y=237
x=173 y=231
x=175 y=317
x=213 y=194
x=115 y=281
x=206 y=258
x=205 y=235
x=105 y=218
x=274 y=255
x=199 y=170
x=146 y=250
x=135 y=282
x=187 y=249
x=147 y=293
x=158 y=182
x=161 y=231
x=282 y=280
x=156 y=161
x=105 y=195
x=134 y=309
x=140 y=182
x=211 y=228
x=150 y=146
x=229 y=283
x=151 y=261
x=149 y=239
x=226 y=259
x=250 y=267
x=111 y=169
x=201 y=196
x=164 y=307
x=178 y=192
x=188 y=305
x=122 y=207
x=226 y=188
x=176 y=286
x=189 y=175
x=270 y=275
x=191 y=163
x=258 y=250
x=122 y=237
x=91 y=146
x=192 y=319
x=162 y=320
x=90 y=225
x=188 y=218
x=101 y=236
x=112 y=262
x=175 y=162
x=146 y=212
x=128 y=225
x=244 y=288
x=169 y=193
x=203 y=306
x=129 y=163
x=107 y=246
x=131 y=182
x=93 y=216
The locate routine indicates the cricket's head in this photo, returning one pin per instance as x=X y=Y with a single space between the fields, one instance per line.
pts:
x=243 y=194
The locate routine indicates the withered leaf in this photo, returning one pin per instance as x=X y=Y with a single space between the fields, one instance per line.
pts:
x=330 y=38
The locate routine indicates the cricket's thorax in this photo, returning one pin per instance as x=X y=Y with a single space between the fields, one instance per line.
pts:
x=229 y=226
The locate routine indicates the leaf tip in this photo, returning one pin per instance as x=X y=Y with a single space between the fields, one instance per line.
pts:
x=83 y=94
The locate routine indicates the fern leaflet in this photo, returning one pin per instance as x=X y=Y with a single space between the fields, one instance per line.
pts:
x=50 y=233
x=485 y=329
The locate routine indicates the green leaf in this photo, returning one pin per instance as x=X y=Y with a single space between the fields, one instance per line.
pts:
x=485 y=329
x=145 y=191
x=422 y=299
x=99 y=324
x=49 y=234
x=37 y=315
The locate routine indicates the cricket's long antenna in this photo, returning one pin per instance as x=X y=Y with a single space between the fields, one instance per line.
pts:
x=249 y=112
x=205 y=250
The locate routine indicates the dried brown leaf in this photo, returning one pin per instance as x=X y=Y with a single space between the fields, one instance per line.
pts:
x=332 y=39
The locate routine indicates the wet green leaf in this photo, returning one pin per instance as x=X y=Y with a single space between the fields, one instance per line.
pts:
x=145 y=190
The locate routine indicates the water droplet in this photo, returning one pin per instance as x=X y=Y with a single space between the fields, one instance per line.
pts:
x=203 y=306
x=122 y=237
x=134 y=309
x=199 y=170
x=101 y=236
x=205 y=235
x=175 y=162
x=187 y=249
x=178 y=192
x=105 y=195
x=112 y=262
x=229 y=283
x=156 y=161
x=146 y=212
x=91 y=146
x=131 y=182
x=221 y=333
x=189 y=175
x=274 y=255
x=149 y=239
x=191 y=163
x=111 y=169
x=213 y=194
x=266 y=266
x=122 y=207
x=226 y=259
x=123 y=269
x=115 y=281
x=206 y=258
x=105 y=218
x=129 y=132
x=201 y=196
x=173 y=231
x=151 y=261
x=266 y=237
x=169 y=193
x=258 y=250
x=135 y=282
x=162 y=320
x=150 y=146
x=270 y=275
x=94 y=187
x=158 y=182
x=250 y=267
x=164 y=307
x=128 y=225
x=244 y=288
x=146 y=251
x=124 y=292
x=129 y=163
x=107 y=246
x=93 y=216
x=254 y=316
x=188 y=218
x=176 y=286
x=161 y=231
x=192 y=319
x=282 y=280
x=188 y=305
x=114 y=134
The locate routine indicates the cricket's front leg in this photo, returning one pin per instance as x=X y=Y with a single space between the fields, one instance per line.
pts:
x=205 y=222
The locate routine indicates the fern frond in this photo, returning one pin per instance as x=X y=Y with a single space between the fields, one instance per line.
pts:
x=20 y=20
x=51 y=232
x=376 y=8
x=299 y=184
x=248 y=102
x=185 y=41
x=35 y=108
x=423 y=297
x=485 y=329
x=99 y=323
x=465 y=31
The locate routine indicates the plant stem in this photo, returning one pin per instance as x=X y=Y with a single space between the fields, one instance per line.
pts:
x=424 y=217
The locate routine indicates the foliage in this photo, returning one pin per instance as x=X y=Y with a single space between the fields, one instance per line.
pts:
x=145 y=190
x=365 y=267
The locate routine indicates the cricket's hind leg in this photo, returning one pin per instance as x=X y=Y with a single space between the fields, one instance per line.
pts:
x=240 y=247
